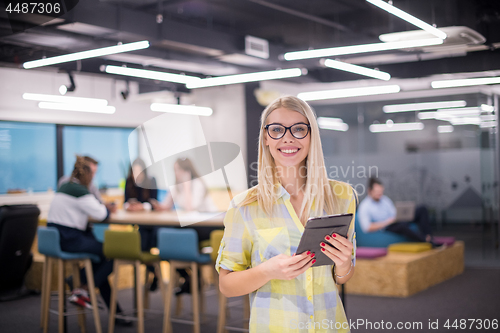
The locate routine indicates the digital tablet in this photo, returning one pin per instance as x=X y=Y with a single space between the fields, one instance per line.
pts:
x=315 y=231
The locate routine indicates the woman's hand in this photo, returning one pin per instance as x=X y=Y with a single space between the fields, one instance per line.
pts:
x=340 y=254
x=283 y=267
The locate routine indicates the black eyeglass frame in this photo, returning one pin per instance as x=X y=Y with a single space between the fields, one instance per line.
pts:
x=289 y=128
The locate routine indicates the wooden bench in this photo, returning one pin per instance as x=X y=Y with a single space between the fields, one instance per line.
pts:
x=404 y=274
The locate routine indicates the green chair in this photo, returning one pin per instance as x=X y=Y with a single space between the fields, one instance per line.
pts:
x=125 y=248
x=215 y=241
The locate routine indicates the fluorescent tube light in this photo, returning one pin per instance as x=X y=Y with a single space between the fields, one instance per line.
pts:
x=490 y=117
x=488 y=124
x=365 y=48
x=249 y=77
x=487 y=108
x=446 y=115
x=445 y=129
x=77 y=107
x=422 y=106
x=147 y=74
x=343 y=66
x=408 y=18
x=335 y=124
x=65 y=99
x=395 y=127
x=183 y=109
x=466 y=121
x=350 y=92
x=87 y=54
x=465 y=82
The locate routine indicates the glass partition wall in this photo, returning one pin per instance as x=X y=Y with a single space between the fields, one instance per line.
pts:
x=448 y=161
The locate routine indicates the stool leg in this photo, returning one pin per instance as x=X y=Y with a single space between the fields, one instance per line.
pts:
x=77 y=283
x=44 y=293
x=160 y=280
x=114 y=291
x=195 y=294
x=146 y=289
x=168 y=300
x=60 y=285
x=140 y=304
x=93 y=298
x=48 y=290
x=221 y=321
x=246 y=310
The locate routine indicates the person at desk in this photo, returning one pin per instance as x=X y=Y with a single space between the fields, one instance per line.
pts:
x=141 y=194
x=69 y=211
x=378 y=212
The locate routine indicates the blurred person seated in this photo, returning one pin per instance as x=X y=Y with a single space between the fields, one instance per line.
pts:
x=378 y=212
x=141 y=194
x=69 y=211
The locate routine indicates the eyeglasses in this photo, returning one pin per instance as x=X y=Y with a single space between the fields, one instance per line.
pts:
x=277 y=131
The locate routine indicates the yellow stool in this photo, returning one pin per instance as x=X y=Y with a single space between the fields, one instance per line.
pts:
x=409 y=247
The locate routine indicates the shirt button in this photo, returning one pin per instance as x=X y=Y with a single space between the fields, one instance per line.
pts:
x=309 y=278
x=311 y=317
x=310 y=298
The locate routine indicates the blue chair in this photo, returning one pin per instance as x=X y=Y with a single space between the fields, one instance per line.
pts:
x=49 y=245
x=98 y=230
x=180 y=248
x=380 y=238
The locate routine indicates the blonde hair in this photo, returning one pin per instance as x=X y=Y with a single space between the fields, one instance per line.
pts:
x=317 y=188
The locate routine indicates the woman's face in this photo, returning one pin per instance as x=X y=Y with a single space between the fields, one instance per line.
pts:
x=180 y=174
x=137 y=171
x=288 y=150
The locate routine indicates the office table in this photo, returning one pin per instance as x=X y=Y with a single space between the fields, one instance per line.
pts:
x=167 y=218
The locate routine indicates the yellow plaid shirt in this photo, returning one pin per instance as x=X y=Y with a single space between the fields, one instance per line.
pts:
x=308 y=303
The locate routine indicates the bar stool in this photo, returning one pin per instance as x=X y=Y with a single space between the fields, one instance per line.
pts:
x=49 y=245
x=125 y=248
x=215 y=240
x=180 y=247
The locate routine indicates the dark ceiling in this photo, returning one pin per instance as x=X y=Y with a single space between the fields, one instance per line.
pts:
x=206 y=37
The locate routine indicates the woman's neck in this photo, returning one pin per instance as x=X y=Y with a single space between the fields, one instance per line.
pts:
x=293 y=179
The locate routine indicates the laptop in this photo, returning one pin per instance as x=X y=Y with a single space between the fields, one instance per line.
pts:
x=405 y=211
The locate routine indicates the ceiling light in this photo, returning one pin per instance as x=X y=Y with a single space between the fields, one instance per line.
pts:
x=365 y=48
x=77 y=107
x=465 y=82
x=65 y=99
x=445 y=129
x=445 y=115
x=147 y=74
x=356 y=69
x=487 y=108
x=87 y=54
x=63 y=89
x=249 y=77
x=490 y=117
x=466 y=121
x=408 y=18
x=335 y=124
x=488 y=124
x=422 y=106
x=349 y=92
x=396 y=127
x=183 y=109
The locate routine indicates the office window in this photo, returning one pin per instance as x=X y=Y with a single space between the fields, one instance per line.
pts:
x=27 y=156
x=110 y=146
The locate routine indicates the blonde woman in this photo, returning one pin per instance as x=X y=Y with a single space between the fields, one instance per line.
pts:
x=263 y=228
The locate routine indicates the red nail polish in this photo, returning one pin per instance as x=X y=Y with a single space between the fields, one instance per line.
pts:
x=334 y=235
x=327 y=237
x=323 y=249
x=308 y=252
x=322 y=244
x=312 y=255
x=314 y=261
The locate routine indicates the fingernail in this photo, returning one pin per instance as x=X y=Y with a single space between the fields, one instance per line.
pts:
x=322 y=244
x=334 y=235
x=323 y=249
x=314 y=260
x=327 y=237
x=293 y=255
x=308 y=252
x=312 y=255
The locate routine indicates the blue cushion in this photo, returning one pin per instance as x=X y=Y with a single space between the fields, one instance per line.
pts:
x=180 y=244
x=49 y=245
x=380 y=238
x=98 y=230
